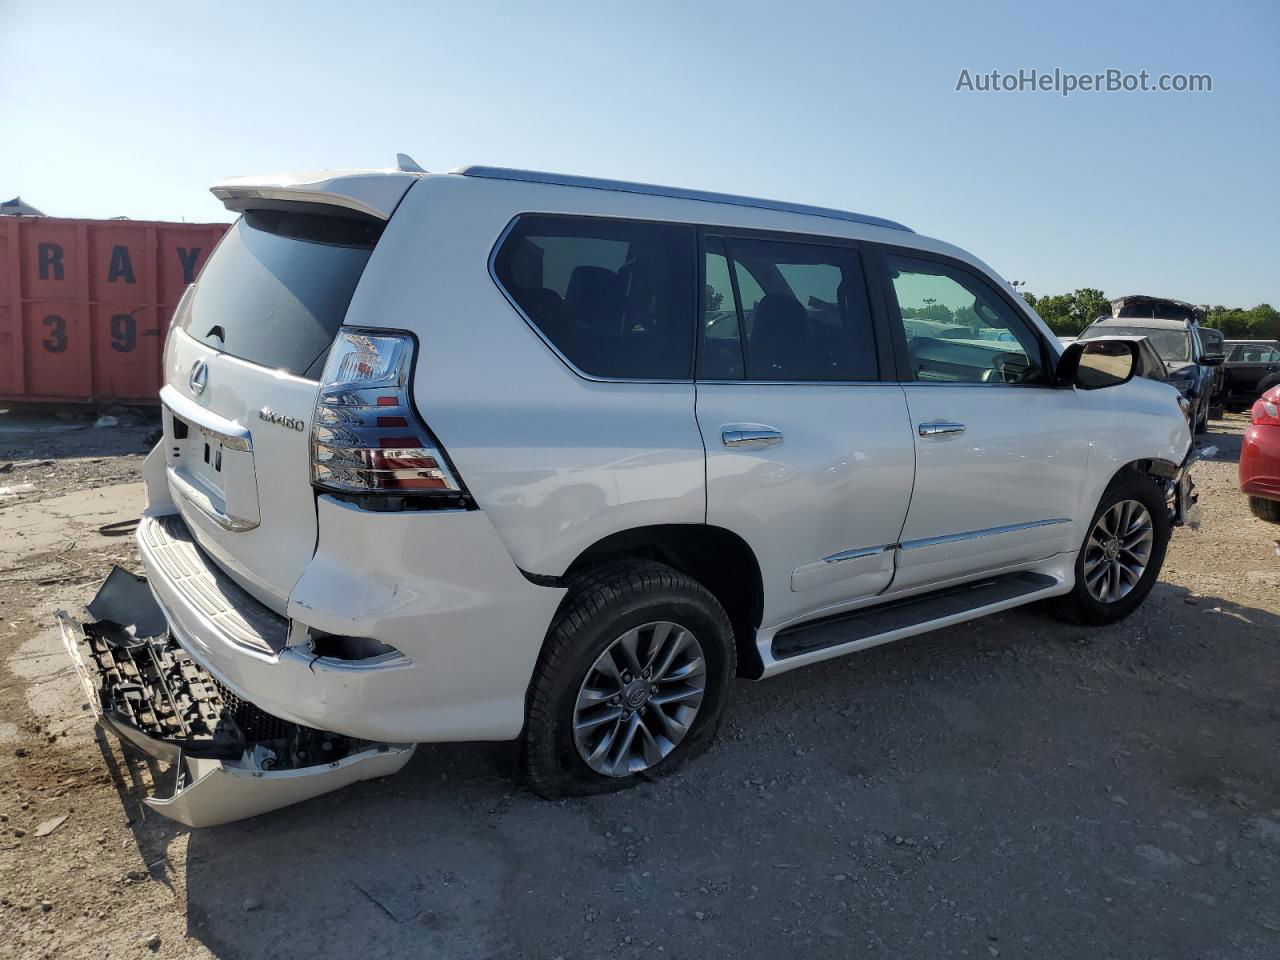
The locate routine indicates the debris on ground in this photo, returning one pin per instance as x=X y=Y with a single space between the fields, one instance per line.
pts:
x=397 y=902
x=49 y=826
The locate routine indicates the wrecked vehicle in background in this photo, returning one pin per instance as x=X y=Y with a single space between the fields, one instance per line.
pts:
x=1173 y=327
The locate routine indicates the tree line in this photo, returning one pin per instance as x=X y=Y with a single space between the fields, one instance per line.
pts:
x=1069 y=313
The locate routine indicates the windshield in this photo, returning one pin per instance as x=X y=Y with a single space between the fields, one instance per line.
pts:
x=1170 y=344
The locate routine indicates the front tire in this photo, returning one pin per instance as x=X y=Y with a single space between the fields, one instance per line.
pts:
x=632 y=681
x=1122 y=553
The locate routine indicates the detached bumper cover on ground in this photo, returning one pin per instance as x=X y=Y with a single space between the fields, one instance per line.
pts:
x=230 y=759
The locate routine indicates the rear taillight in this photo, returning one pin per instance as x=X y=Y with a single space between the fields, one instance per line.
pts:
x=1266 y=411
x=366 y=437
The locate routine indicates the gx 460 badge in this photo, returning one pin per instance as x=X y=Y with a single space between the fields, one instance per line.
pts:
x=279 y=419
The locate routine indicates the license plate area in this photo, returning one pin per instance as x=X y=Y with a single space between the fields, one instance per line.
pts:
x=201 y=455
x=212 y=471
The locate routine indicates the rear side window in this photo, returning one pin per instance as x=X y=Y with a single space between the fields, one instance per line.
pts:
x=777 y=310
x=278 y=286
x=615 y=297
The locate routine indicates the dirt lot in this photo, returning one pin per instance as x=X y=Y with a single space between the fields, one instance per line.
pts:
x=1012 y=787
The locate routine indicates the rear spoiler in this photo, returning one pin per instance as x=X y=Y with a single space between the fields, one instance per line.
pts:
x=373 y=193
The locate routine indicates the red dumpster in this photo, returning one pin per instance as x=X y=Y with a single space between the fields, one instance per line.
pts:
x=85 y=304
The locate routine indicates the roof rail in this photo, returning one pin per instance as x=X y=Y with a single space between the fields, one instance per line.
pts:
x=677 y=193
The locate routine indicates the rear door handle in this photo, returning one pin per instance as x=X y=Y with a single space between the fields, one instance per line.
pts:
x=751 y=436
x=940 y=428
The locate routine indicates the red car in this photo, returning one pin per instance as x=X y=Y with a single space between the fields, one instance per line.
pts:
x=1260 y=457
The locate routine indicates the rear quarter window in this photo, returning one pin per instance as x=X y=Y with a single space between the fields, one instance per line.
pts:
x=278 y=286
x=614 y=297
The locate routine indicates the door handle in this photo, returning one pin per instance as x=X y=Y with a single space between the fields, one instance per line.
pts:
x=940 y=428
x=751 y=437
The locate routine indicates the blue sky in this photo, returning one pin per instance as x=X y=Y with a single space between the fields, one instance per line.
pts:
x=134 y=108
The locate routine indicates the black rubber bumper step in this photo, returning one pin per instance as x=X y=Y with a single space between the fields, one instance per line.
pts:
x=909 y=612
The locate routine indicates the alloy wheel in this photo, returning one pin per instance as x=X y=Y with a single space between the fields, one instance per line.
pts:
x=639 y=699
x=1118 y=551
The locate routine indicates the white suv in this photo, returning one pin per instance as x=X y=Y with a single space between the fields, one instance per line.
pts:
x=504 y=455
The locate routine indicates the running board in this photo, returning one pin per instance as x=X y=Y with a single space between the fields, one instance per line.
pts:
x=909 y=612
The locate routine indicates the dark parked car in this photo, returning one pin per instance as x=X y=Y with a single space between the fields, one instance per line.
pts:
x=1252 y=368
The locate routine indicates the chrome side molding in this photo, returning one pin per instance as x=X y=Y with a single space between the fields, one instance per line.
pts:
x=860 y=552
x=844 y=555
x=979 y=534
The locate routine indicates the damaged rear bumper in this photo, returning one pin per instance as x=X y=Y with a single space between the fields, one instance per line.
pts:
x=229 y=758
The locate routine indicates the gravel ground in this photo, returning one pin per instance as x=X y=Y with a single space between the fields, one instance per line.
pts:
x=1011 y=787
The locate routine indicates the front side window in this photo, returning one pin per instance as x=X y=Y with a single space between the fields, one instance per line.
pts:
x=778 y=310
x=958 y=330
x=615 y=297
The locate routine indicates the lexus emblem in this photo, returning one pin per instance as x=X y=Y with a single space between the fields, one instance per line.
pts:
x=198 y=378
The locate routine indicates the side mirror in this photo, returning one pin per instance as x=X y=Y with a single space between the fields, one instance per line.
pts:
x=1094 y=364
x=1212 y=359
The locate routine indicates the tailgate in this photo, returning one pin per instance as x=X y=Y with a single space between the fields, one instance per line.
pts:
x=242 y=484
x=240 y=388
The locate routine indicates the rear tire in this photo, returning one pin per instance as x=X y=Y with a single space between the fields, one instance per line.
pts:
x=1122 y=588
x=595 y=724
x=1264 y=509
